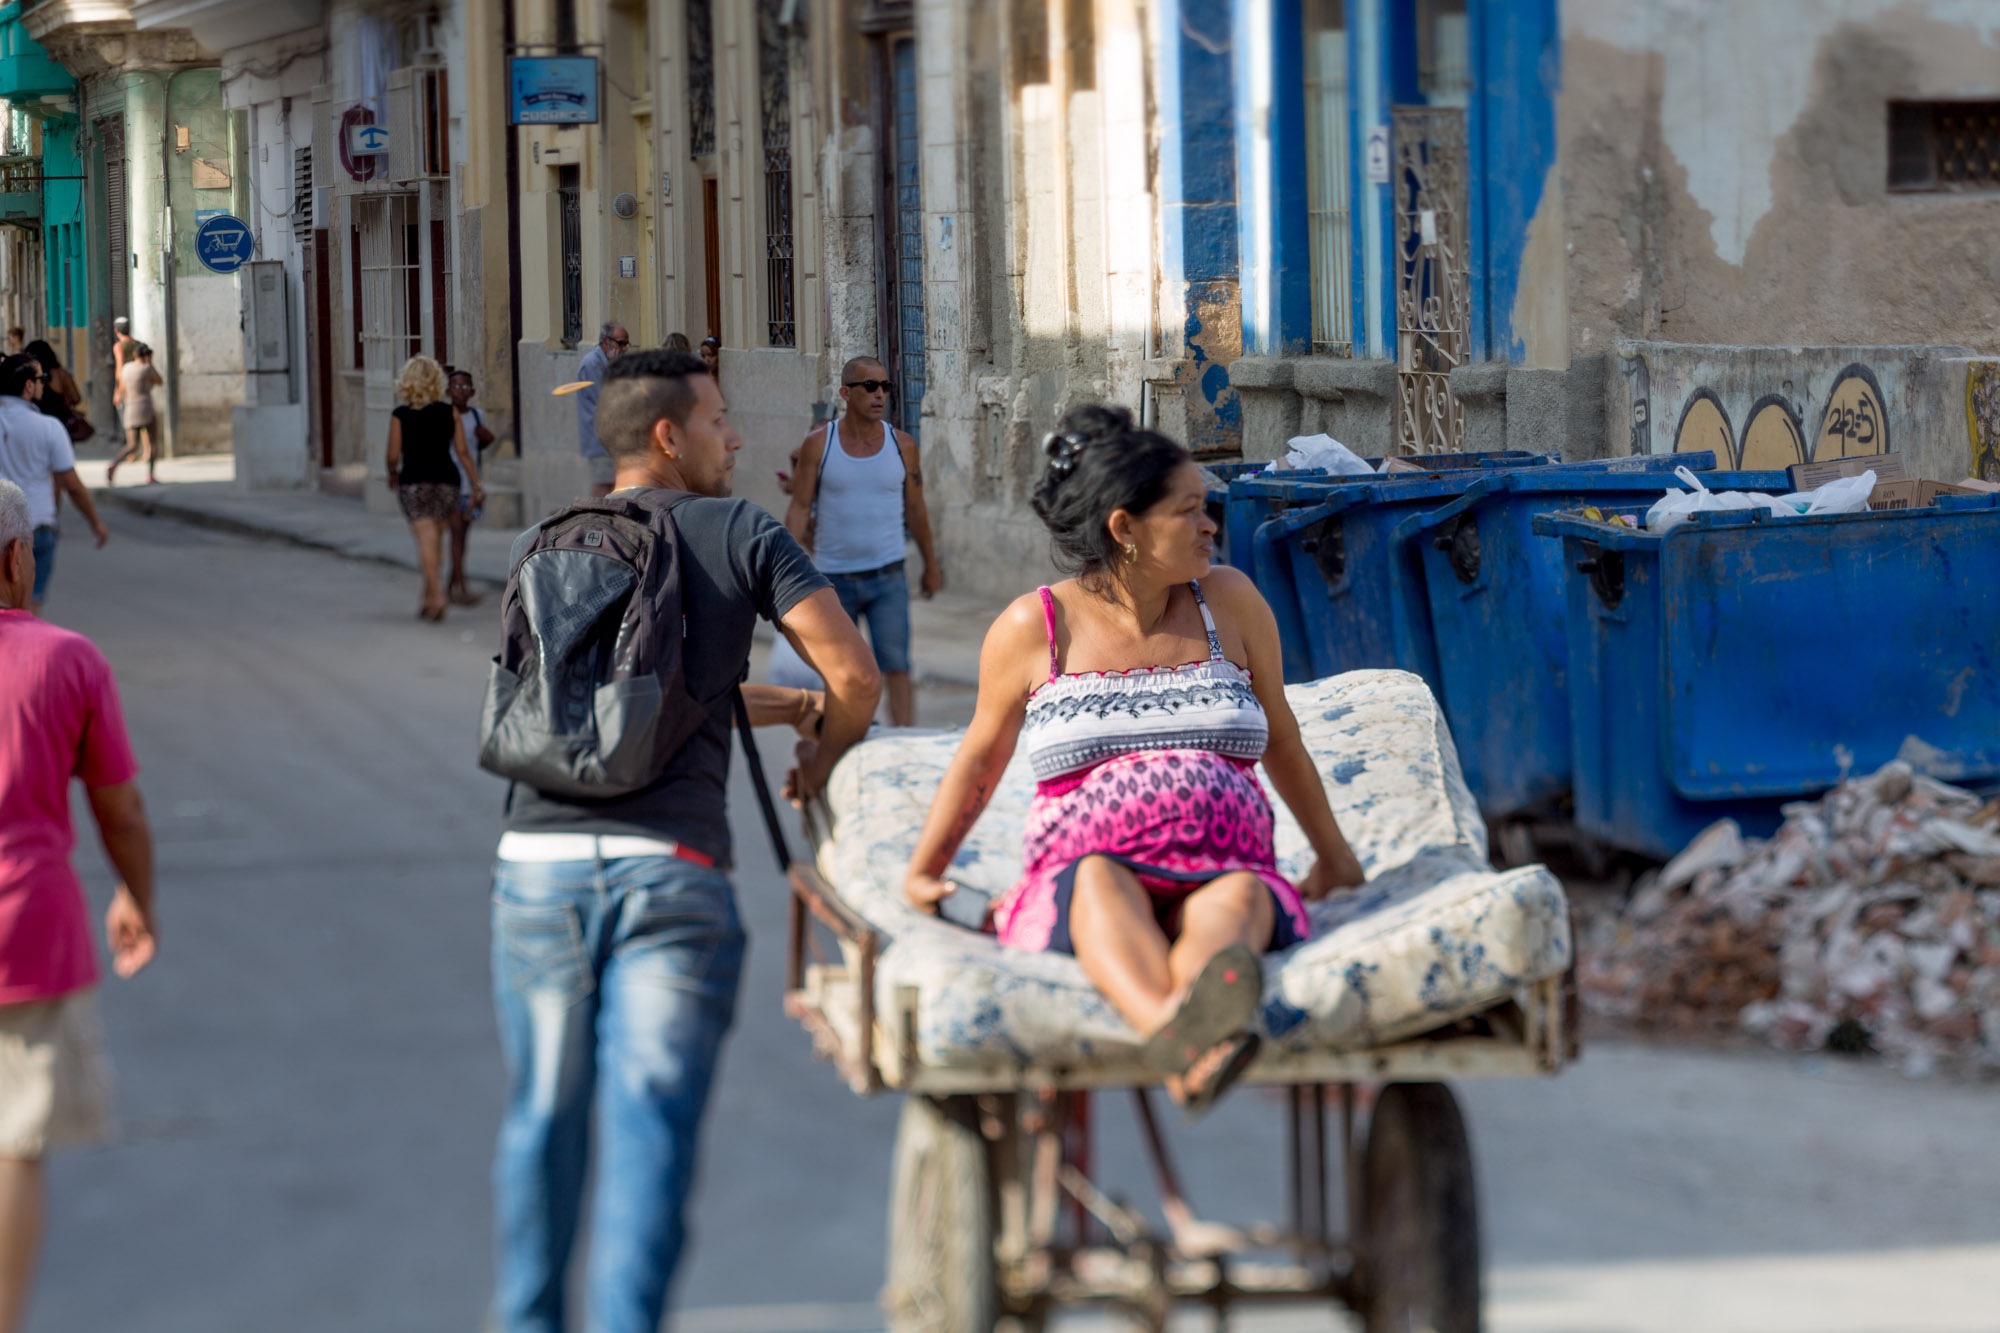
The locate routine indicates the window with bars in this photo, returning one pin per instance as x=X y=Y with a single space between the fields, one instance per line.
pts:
x=701 y=78
x=774 y=82
x=388 y=316
x=1328 y=217
x=569 y=195
x=1944 y=146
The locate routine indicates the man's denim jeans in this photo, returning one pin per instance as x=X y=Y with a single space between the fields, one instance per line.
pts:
x=613 y=979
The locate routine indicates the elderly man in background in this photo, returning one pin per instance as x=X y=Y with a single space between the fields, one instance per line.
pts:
x=35 y=454
x=612 y=340
x=59 y=719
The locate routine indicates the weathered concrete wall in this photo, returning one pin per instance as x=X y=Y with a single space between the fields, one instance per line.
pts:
x=1769 y=407
x=1725 y=174
x=771 y=394
x=208 y=314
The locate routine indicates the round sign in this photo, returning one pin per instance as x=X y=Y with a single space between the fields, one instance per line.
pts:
x=224 y=243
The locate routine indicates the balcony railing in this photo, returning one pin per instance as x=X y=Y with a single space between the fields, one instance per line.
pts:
x=21 y=191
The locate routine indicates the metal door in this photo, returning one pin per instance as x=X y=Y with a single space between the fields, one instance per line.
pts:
x=1433 y=303
x=906 y=239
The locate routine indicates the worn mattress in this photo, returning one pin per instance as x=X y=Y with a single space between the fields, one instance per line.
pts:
x=1435 y=934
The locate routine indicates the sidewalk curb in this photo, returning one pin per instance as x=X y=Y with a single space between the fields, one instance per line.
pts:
x=154 y=506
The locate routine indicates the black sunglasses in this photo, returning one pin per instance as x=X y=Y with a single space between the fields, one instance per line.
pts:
x=872 y=385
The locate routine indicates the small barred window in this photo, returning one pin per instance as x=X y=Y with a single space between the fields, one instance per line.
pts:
x=1944 y=146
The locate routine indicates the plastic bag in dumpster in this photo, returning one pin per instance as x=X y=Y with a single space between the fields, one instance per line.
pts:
x=1871 y=920
x=1321 y=453
x=1848 y=495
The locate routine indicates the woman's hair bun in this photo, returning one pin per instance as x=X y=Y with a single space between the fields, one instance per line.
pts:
x=1100 y=461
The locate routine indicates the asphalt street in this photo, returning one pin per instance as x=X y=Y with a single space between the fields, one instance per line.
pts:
x=309 y=1081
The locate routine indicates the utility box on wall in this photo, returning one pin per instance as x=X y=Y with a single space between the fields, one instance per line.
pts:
x=267 y=325
x=269 y=429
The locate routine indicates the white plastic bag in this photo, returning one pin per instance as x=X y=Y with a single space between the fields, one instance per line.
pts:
x=1679 y=506
x=1322 y=453
x=1845 y=495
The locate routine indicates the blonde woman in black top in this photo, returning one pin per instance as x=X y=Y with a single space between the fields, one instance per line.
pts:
x=425 y=436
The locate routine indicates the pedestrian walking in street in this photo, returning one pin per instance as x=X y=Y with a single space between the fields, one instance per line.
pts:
x=17 y=340
x=617 y=946
x=612 y=340
x=676 y=342
x=135 y=388
x=857 y=500
x=711 y=356
x=426 y=458
x=61 y=396
x=472 y=422
x=59 y=718
x=35 y=454
x=122 y=343
x=1146 y=688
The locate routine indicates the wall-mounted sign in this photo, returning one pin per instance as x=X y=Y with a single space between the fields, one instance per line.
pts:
x=367 y=140
x=552 y=90
x=224 y=243
x=1378 y=155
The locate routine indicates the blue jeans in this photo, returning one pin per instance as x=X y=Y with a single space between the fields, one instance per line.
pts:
x=883 y=596
x=614 y=980
x=44 y=544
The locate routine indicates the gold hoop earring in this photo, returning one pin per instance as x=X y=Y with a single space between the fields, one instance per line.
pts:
x=1131 y=553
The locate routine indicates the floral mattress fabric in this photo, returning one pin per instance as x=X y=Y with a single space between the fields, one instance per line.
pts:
x=1434 y=935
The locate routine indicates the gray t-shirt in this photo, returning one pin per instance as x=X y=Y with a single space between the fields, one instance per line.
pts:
x=740 y=564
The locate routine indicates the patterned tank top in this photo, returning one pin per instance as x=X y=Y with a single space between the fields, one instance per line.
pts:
x=1077 y=721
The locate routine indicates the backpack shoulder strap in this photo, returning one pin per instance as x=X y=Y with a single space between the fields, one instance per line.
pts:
x=779 y=847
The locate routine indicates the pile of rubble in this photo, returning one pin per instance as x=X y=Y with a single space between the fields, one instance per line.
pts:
x=1870 y=920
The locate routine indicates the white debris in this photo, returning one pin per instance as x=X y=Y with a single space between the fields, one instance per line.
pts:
x=1870 y=920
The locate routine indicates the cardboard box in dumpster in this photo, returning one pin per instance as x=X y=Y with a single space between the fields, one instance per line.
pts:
x=1912 y=494
x=1393 y=464
x=1812 y=476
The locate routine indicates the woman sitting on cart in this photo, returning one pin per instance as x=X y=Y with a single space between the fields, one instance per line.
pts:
x=1146 y=688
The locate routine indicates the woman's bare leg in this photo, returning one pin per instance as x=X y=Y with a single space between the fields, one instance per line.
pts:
x=459 y=524
x=1236 y=908
x=428 y=534
x=1118 y=942
x=152 y=464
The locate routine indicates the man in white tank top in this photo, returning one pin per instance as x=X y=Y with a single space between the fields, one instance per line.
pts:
x=857 y=498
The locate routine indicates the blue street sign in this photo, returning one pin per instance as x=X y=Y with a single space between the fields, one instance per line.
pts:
x=552 y=90
x=224 y=243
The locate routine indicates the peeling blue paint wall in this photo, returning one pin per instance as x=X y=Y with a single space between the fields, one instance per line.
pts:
x=1200 y=250
x=1512 y=130
x=1271 y=167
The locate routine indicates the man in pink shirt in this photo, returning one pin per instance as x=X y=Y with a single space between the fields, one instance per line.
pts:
x=59 y=719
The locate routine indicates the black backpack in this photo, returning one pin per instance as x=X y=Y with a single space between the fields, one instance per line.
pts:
x=588 y=696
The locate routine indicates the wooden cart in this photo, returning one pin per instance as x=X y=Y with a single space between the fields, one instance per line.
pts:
x=994 y=1215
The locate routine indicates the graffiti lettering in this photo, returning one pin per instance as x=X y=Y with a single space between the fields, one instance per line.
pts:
x=1855 y=422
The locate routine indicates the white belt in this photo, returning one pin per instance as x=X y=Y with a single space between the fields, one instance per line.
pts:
x=590 y=847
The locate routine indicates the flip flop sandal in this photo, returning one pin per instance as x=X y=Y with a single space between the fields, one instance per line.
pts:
x=1243 y=1048
x=1222 y=1001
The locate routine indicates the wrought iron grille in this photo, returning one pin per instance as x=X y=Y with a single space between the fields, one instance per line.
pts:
x=1328 y=217
x=701 y=78
x=774 y=82
x=1944 y=145
x=1433 y=306
x=569 y=190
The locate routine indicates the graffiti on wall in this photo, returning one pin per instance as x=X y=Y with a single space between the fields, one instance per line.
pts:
x=1982 y=418
x=1773 y=434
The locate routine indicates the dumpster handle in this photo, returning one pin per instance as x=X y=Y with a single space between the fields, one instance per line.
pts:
x=1474 y=493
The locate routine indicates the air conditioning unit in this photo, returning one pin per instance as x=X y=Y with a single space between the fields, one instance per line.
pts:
x=418 y=118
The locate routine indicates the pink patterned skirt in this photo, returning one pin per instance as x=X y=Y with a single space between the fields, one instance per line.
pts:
x=1176 y=818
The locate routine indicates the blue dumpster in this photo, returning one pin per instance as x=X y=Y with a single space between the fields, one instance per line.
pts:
x=1494 y=593
x=1254 y=494
x=1347 y=593
x=1741 y=660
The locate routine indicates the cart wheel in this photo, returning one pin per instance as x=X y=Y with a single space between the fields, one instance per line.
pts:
x=1420 y=1239
x=941 y=1222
